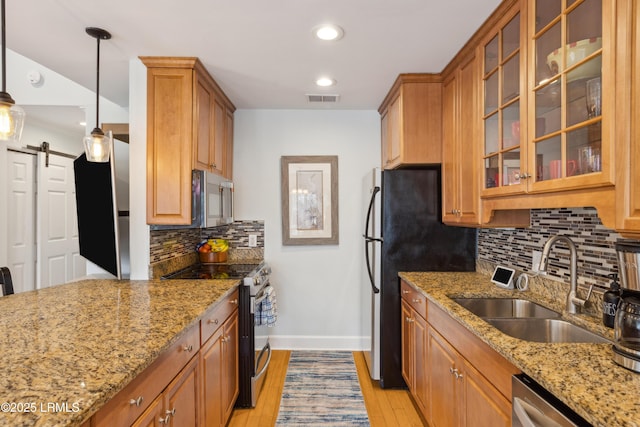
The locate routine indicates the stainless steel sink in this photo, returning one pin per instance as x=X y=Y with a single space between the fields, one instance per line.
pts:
x=545 y=330
x=505 y=307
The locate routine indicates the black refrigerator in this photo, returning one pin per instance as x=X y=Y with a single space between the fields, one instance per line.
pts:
x=403 y=232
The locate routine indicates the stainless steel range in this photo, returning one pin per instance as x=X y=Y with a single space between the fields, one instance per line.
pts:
x=254 y=349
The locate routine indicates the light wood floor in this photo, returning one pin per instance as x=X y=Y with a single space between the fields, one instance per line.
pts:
x=386 y=408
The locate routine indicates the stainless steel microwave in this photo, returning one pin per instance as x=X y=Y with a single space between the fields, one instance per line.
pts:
x=211 y=202
x=218 y=200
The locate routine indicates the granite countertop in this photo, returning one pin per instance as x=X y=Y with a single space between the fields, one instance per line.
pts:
x=66 y=350
x=582 y=375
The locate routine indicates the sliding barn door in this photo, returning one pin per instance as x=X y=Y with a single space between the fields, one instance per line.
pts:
x=59 y=259
x=21 y=214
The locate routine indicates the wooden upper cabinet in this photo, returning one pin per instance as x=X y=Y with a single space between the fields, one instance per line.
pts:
x=204 y=125
x=503 y=107
x=213 y=136
x=460 y=195
x=169 y=149
x=628 y=129
x=547 y=98
x=411 y=126
x=187 y=116
x=571 y=94
x=228 y=146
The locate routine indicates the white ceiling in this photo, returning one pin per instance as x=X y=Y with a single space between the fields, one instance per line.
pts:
x=261 y=52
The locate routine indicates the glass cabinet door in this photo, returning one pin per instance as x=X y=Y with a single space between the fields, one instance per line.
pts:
x=567 y=88
x=502 y=79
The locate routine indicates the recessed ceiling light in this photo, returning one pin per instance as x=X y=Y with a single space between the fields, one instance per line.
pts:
x=325 y=82
x=328 y=32
x=83 y=124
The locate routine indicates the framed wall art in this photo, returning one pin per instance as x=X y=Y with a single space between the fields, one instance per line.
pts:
x=309 y=200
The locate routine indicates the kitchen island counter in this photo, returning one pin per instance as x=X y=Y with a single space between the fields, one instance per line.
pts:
x=582 y=375
x=67 y=350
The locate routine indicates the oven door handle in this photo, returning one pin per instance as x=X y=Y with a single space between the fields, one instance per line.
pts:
x=264 y=368
x=259 y=300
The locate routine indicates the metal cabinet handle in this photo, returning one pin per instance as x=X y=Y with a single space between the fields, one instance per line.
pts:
x=234 y=301
x=136 y=402
x=214 y=321
x=404 y=291
x=453 y=371
x=171 y=413
x=417 y=300
x=188 y=348
x=409 y=320
x=164 y=420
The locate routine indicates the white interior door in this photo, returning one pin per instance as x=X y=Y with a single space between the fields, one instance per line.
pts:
x=58 y=259
x=21 y=214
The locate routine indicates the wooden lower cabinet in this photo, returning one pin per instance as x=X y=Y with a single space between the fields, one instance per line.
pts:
x=455 y=379
x=152 y=416
x=219 y=359
x=178 y=405
x=188 y=385
x=483 y=403
x=414 y=352
x=444 y=391
x=460 y=395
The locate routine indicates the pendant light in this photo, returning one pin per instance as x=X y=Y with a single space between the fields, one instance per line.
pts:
x=97 y=146
x=11 y=116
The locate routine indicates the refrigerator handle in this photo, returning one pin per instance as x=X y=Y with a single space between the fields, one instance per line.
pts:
x=371 y=279
x=368 y=240
x=375 y=191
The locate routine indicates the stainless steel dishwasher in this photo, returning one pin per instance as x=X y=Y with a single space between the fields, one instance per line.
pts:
x=533 y=406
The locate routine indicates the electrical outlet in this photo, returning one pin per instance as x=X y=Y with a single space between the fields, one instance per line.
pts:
x=536 y=256
x=253 y=240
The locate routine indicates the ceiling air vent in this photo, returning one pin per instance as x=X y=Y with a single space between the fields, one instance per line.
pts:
x=322 y=98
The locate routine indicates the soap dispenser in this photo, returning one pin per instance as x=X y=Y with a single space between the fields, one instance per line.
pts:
x=610 y=301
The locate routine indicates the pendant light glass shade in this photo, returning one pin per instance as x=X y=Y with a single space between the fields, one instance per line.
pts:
x=11 y=116
x=11 y=122
x=97 y=146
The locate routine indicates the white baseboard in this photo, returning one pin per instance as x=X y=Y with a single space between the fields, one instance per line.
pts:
x=307 y=342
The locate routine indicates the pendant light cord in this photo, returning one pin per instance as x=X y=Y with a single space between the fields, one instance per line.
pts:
x=4 y=52
x=97 y=83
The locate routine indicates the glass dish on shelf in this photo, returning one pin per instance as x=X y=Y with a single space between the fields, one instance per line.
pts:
x=576 y=52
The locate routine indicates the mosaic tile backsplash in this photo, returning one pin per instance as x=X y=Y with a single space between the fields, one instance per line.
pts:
x=595 y=243
x=167 y=244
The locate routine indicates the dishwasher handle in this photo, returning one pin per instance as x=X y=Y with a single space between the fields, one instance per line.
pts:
x=522 y=411
x=534 y=406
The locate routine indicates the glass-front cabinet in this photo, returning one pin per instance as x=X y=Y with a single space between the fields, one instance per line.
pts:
x=548 y=98
x=566 y=98
x=503 y=86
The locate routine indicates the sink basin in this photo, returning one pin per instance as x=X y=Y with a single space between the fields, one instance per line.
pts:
x=505 y=307
x=545 y=330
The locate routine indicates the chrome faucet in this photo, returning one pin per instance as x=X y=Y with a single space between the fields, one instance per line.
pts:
x=573 y=302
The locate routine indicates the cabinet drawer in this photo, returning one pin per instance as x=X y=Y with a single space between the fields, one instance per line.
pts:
x=414 y=298
x=131 y=402
x=216 y=315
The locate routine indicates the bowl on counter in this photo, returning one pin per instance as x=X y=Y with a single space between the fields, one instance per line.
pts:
x=576 y=52
x=212 y=257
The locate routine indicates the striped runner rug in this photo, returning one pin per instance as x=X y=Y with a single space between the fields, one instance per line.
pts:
x=321 y=389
